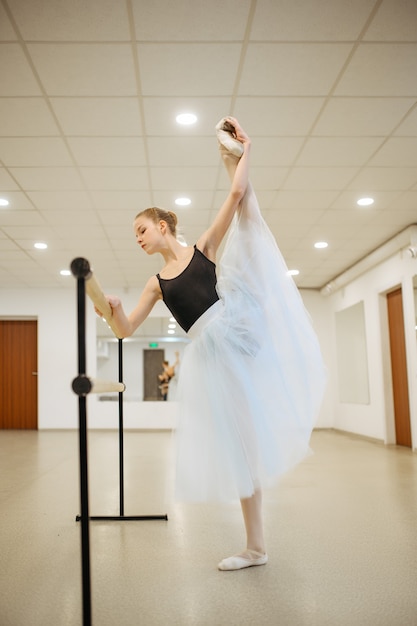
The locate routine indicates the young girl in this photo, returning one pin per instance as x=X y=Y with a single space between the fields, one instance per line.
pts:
x=252 y=377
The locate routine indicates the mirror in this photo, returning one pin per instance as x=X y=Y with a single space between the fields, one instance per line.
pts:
x=146 y=377
x=415 y=300
x=352 y=357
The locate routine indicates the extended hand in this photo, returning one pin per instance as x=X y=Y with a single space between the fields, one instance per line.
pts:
x=239 y=133
x=113 y=301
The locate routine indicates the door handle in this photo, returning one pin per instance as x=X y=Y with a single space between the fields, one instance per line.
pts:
x=34 y=373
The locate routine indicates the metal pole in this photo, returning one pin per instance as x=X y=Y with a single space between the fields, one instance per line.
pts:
x=121 y=442
x=82 y=404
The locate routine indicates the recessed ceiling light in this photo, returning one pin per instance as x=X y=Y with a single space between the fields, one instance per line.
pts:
x=186 y=119
x=65 y=273
x=365 y=201
x=183 y=201
x=172 y=325
x=293 y=272
x=41 y=246
x=321 y=244
x=4 y=202
x=171 y=332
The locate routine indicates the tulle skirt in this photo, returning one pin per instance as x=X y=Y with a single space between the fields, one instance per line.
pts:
x=252 y=378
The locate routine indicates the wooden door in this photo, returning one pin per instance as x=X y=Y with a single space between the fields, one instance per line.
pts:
x=152 y=367
x=399 y=368
x=19 y=374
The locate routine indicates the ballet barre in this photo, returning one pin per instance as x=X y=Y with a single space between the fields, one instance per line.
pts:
x=83 y=385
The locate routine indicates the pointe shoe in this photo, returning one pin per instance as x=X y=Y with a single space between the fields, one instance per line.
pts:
x=240 y=562
x=224 y=130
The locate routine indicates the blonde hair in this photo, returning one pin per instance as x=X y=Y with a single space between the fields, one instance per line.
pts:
x=156 y=214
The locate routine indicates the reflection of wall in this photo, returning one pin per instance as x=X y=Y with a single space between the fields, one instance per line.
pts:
x=415 y=299
x=352 y=358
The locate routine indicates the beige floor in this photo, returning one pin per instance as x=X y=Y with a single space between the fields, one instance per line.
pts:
x=341 y=532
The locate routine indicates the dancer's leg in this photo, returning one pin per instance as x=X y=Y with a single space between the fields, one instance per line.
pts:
x=255 y=545
x=252 y=515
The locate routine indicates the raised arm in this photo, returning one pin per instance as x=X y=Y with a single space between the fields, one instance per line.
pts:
x=126 y=325
x=213 y=236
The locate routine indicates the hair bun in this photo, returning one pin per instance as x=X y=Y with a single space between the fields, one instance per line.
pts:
x=173 y=216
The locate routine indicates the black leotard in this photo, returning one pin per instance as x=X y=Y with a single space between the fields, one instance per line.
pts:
x=192 y=292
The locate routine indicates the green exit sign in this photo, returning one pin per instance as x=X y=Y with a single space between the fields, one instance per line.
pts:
x=153 y=344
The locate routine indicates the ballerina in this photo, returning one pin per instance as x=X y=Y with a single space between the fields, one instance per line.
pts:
x=250 y=335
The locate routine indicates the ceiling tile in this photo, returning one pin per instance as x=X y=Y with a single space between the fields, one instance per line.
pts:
x=18 y=201
x=47 y=178
x=357 y=117
x=278 y=116
x=113 y=178
x=265 y=154
x=20 y=218
x=192 y=178
x=338 y=151
x=90 y=69
x=26 y=236
x=304 y=199
x=95 y=20
x=60 y=200
x=98 y=116
x=348 y=200
x=397 y=152
x=409 y=126
x=108 y=151
x=176 y=69
x=17 y=78
x=395 y=20
x=120 y=200
x=6 y=182
x=266 y=178
x=78 y=219
x=160 y=114
x=24 y=151
x=381 y=70
x=326 y=92
x=291 y=69
x=407 y=201
x=21 y=117
x=319 y=178
x=189 y=151
x=7 y=32
x=316 y=20
x=190 y=20
x=384 y=178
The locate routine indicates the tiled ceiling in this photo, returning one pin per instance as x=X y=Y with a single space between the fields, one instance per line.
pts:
x=89 y=92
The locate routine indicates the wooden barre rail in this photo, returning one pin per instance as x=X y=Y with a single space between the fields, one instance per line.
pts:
x=80 y=268
x=83 y=385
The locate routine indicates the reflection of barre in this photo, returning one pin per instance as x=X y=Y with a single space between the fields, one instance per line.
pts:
x=81 y=269
x=83 y=385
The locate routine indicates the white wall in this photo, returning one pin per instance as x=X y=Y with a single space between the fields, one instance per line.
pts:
x=55 y=310
x=376 y=419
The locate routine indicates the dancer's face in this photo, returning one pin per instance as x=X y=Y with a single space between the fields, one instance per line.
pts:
x=148 y=234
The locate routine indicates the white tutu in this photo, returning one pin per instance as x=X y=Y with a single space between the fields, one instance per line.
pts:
x=252 y=379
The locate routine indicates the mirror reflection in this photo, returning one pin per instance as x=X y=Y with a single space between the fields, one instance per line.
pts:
x=415 y=300
x=151 y=359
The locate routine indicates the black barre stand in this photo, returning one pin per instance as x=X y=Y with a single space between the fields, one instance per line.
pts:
x=122 y=517
x=82 y=385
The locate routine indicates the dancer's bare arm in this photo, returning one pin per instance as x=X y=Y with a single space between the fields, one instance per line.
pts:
x=213 y=236
x=126 y=325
